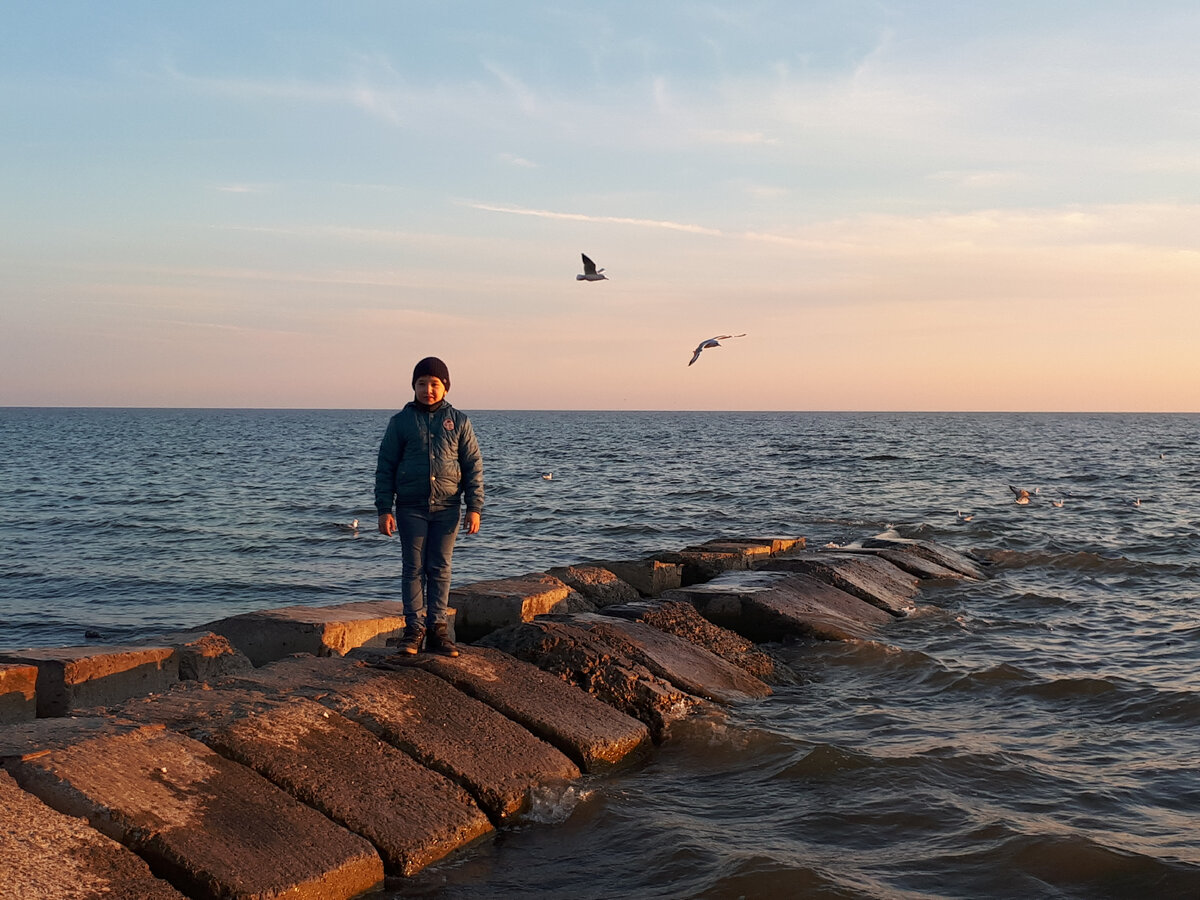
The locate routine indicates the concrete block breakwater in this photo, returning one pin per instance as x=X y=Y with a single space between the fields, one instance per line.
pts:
x=290 y=753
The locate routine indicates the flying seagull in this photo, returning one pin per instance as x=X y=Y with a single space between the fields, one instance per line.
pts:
x=712 y=342
x=1022 y=495
x=590 y=272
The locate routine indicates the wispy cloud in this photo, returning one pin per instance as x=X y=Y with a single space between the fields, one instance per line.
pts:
x=981 y=178
x=736 y=138
x=361 y=91
x=243 y=188
x=610 y=220
x=518 y=161
x=525 y=98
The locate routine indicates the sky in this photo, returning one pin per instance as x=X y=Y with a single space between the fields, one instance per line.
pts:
x=904 y=205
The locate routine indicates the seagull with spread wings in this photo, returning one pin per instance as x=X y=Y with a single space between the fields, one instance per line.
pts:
x=1022 y=496
x=590 y=272
x=712 y=342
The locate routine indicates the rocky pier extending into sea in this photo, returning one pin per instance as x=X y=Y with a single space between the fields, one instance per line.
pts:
x=289 y=752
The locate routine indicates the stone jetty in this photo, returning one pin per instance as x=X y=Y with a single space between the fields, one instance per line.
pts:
x=292 y=753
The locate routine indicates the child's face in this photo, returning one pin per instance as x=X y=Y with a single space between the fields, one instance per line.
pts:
x=430 y=390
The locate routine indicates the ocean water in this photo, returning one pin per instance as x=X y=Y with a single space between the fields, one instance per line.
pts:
x=1033 y=735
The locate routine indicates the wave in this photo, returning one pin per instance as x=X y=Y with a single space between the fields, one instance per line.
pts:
x=1114 y=701
x=823 y=761
x=1110 y=699
x=1079 y=560
x=758 y=874
x=1075 y=865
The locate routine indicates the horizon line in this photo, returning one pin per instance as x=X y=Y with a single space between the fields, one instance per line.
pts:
x=1027 y=412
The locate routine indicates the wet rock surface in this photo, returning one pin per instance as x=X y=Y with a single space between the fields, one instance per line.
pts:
x=674 y=659
x=868 y=578
x=931 y=551
x=584 y=660
x=769 y=606
x=918 y=566
x=680 y=618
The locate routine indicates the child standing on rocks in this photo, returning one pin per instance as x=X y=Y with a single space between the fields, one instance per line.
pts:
x=428 y=460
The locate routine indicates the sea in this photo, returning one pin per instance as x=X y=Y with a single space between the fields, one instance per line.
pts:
x=1032 y=735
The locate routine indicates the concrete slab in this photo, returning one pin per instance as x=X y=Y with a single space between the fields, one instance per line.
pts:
x=589 y=663
x=680 y=618
x=272 y=634
x=30 y=739
x=496 y=760
x=649 y=577
x=930 y=550
x=596 y=584
x=205 y=656
x=210 y=826
x=868 y=578
x=778 y=544
x=594 y=735
x=411 y=814
x=909 y=562
x=72 y=678
x=752 y=550
x=487 y=605
x=18 y=693
x=688 y=667
x=698 y=566
x=770 y=606
x=45 y=855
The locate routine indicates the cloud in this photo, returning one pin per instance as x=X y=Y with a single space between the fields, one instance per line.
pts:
x=518 y=161
x=982 y=178
x=361 y=91
x=737 y=138
x=609 y=220
x=525 y=98
x=243 y=188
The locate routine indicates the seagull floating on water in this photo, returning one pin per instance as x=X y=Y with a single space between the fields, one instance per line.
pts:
x=967 y=518
x=1137 y=501
x=590 y=272
x=352 y=527
x=1057 y=503
x=712 y=342
x=548 y=475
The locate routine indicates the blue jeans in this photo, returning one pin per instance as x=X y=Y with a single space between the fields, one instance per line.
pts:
x=427 y=539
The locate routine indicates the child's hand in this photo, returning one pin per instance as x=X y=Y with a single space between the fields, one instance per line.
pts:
x=387 y=524
x=471 y=523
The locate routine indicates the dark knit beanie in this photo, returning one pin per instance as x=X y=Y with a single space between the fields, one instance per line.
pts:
x=431 y=365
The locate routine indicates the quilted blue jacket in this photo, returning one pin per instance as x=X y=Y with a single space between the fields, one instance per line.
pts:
x=428 y=459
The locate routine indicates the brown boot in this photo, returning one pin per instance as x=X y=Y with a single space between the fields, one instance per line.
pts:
x=439 y=641
x=410 y=644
